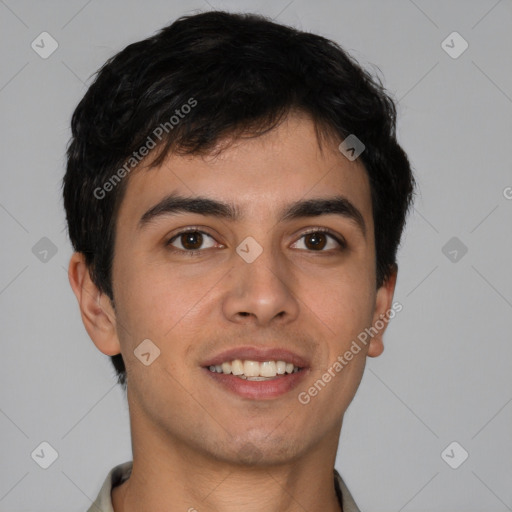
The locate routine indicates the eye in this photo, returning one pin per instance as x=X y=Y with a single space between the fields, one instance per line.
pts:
x=318 y=239
x=190 y=240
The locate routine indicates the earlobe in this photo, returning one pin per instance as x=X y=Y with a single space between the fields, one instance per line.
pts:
x=96 y=310
x=381 y=317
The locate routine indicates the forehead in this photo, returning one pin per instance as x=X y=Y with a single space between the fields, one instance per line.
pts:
x=259 y=175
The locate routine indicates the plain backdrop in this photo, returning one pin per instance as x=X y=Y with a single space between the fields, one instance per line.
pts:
x=445 y=374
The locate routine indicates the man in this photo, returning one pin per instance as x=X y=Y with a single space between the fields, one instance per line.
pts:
x=235 y=195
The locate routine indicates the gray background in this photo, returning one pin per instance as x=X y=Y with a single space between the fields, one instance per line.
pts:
x=446 y=371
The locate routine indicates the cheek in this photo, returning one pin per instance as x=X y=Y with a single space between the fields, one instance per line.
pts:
x=144 y=292
x=157 y=306
x=341 y=300
x=158 y=301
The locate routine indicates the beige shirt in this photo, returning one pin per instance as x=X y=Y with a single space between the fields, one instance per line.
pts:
x=122 y=472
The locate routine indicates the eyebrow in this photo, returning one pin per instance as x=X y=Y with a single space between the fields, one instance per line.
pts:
x=175 y=204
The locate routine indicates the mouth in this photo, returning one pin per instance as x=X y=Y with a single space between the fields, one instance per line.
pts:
x=254 y=370
x=255 y=373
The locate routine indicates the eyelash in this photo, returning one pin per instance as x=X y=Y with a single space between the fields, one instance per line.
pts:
x=196 y=252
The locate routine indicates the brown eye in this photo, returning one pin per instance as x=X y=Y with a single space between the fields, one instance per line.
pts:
x=321 y=241
x=190 y=241
x=316 y=240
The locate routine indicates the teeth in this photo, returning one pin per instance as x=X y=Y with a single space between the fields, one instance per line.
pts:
x=251 y=368
x=254 y=370
x=268 y=369
x=280 y=367
x=237 y=367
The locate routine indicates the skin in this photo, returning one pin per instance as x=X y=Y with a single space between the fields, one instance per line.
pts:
x=195 y=444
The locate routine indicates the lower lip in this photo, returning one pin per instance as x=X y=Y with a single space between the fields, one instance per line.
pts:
x=258 y=389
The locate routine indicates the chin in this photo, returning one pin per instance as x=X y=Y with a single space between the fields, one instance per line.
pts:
x=267 y=451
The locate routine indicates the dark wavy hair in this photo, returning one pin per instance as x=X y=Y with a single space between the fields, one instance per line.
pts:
x=245 y=73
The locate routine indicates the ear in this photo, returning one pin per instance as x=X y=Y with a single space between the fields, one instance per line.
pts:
x=97 y=312
x=383 y=303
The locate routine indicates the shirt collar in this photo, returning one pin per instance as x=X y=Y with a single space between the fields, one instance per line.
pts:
x=122 y=472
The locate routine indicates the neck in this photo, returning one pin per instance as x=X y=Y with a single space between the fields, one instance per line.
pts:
x=177 y=477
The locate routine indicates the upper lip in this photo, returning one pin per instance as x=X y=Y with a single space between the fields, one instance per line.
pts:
x=257 y=354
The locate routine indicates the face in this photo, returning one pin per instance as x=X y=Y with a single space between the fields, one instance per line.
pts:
x=257 y=287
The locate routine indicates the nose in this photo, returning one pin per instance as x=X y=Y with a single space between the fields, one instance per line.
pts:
x=261 y=292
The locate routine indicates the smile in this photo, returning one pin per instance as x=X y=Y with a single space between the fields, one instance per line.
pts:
x=255 y=370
